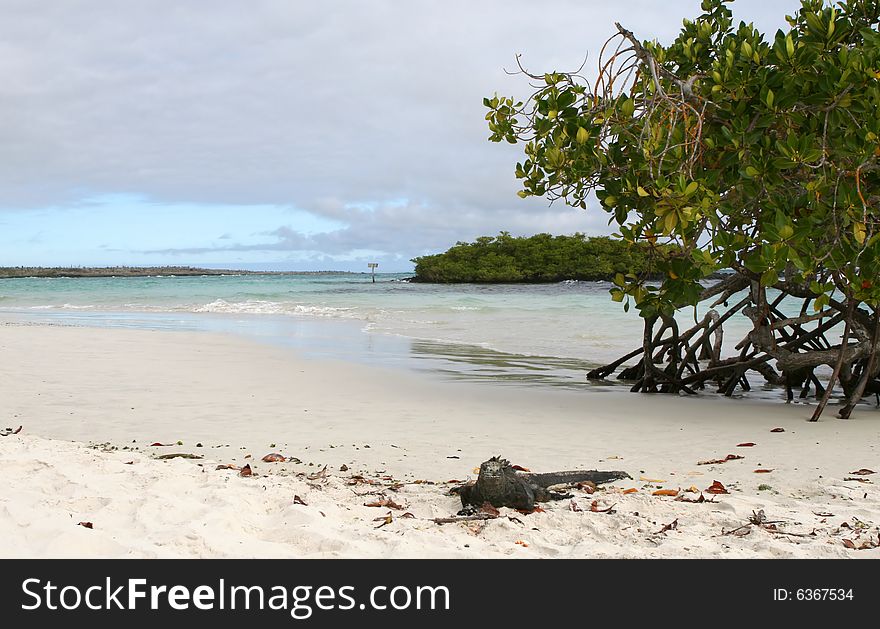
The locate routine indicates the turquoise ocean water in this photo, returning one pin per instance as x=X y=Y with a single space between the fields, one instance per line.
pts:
x=548 y=334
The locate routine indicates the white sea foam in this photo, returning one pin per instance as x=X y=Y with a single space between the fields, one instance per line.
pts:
x=62 y=307
x=258 y=306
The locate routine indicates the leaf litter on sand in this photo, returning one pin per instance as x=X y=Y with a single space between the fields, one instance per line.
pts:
x=384 y=502
x=595 y=508
x=319 y=474
x=385 y=520
x=672 y=526
x=701 y=499
x=717 y=488
x=665 y=492
x=729 y=457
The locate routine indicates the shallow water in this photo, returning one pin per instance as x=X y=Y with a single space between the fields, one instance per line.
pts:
x=547 y=334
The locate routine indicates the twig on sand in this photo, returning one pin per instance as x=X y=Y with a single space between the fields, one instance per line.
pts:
x=746 y=527
x=464 y=518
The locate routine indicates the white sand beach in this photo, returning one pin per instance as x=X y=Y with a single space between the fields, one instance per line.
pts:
x=91 y=401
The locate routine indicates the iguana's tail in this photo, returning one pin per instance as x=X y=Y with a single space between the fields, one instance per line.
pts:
x=576 y=476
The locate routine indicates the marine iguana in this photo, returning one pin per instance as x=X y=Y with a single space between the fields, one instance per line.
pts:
x=502 y=486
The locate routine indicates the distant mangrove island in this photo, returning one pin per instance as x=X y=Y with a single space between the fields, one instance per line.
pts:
x=142 y=271
x=540 y=258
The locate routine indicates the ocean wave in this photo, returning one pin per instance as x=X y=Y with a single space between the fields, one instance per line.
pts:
x=257 y=306
x=61 y=307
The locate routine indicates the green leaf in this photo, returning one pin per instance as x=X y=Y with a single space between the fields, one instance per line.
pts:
x=582 y=135
x=769 y=277
x=859 y=232
x=642 y=192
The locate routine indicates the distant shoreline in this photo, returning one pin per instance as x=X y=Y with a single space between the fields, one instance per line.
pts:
x=145 y=271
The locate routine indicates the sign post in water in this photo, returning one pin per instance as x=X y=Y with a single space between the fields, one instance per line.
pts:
x=373 y=266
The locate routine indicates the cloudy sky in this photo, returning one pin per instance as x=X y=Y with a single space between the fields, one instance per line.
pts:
x=280 y=133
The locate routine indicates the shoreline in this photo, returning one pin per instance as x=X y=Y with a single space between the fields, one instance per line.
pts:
x=114 y=386
x=40 y=272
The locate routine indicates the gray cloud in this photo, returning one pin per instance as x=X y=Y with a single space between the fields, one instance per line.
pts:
x=397 y=231
x=321 y=107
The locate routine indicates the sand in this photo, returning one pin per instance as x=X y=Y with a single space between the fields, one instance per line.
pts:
x=91 y=401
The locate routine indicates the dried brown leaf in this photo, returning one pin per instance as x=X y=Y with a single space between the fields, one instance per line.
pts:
x=246 y=471
x=747 y=444
x=384 y=502
x=717 y=488
x=274 y=457
x=863 y=472
x=87 y=525
x=665 y=492
x=299 y=501
x=778 y=430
